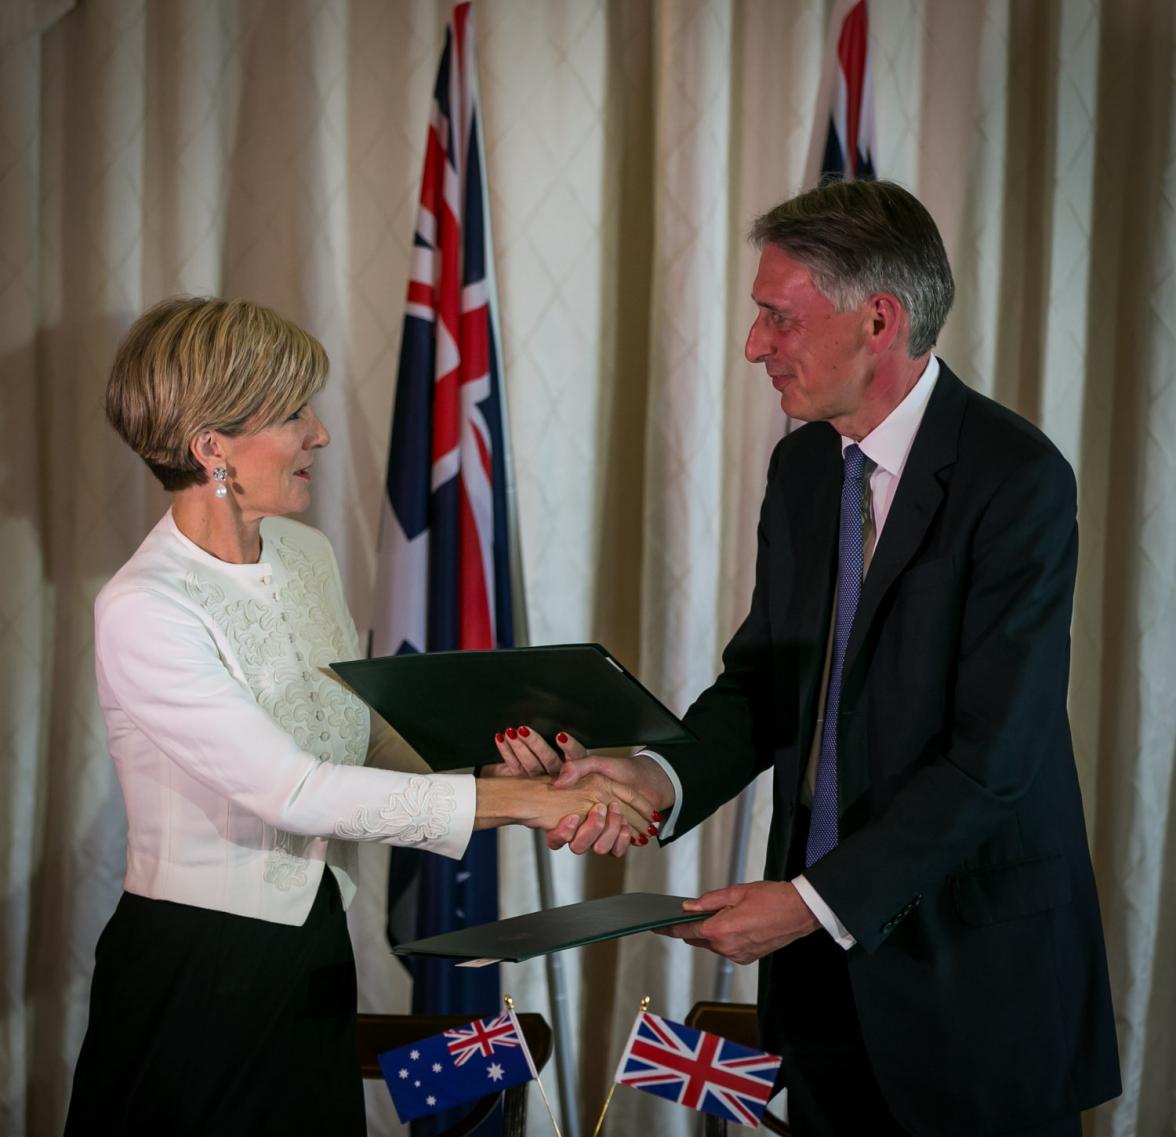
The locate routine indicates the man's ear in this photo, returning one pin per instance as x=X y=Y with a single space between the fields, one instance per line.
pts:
x=887 y=320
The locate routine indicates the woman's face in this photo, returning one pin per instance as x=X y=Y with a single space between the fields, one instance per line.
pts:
x=269 y=471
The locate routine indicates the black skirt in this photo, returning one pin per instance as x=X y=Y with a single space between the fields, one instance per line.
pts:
x=202 y=1022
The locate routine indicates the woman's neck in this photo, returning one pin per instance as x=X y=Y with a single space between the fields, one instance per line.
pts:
x=217 y=526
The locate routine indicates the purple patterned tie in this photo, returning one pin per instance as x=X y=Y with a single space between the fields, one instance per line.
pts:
x=850 y=561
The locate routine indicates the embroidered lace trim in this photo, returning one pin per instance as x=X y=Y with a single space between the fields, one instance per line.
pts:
x=283 y=646
x=418 y=813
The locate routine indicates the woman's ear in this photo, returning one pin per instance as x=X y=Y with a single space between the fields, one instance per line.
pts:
x=208 y=449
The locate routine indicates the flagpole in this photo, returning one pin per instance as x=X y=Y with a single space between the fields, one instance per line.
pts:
x=531 y=1062
x=565 y=1074
x=613 y=1088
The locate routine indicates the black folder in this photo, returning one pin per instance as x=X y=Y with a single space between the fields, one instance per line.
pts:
x=450 y=704
x=555 y=929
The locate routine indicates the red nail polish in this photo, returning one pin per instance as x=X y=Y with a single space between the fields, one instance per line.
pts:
x=561 y=738
x=656 y=816
x=500 y=737
x=511 y=732
x=524 y=732
x=652 y=831
x=642 y=840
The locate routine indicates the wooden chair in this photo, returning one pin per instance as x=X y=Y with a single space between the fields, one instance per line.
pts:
x=378 y=1033
x=737 y=1022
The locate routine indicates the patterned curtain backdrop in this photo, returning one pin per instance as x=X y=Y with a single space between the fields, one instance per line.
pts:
x=270 y=148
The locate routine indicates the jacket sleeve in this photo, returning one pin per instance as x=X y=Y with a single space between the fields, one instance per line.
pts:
x=160 y=665
x=730 y=718
x=1007 y=712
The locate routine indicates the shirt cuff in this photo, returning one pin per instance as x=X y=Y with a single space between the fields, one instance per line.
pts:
x=666 y=829
x=824 y=914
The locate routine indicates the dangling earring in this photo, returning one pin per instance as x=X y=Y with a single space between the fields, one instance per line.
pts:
x=219 y=475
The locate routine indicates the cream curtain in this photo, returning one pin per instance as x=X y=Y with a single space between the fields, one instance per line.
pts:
x=272 y=149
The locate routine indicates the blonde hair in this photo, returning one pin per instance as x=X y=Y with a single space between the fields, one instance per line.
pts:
x=192 y=364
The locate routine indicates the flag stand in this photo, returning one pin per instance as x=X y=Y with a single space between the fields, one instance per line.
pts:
x=565 y=1075
x=409 y=591
x=526 y=1050
x=613 y=1088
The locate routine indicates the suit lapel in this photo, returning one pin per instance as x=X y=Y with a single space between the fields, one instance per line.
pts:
x=814 y=515
x=802 y=579
x=919 y=495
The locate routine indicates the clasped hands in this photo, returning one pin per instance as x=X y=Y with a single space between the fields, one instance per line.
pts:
x=596 y=804
x=750 y=920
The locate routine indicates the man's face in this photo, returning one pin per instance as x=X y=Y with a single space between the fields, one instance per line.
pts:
x=815 y=356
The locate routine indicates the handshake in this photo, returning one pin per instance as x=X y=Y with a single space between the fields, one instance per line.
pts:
x=584 y=801
x=607 y=804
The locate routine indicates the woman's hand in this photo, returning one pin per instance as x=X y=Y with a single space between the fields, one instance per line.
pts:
x=526 y=752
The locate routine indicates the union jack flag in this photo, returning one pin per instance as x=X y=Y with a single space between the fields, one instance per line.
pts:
x=482 y=1037
x=443 y=577
x=698 y=1069
x=849 y=136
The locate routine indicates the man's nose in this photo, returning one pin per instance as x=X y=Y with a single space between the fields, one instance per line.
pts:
x=756 y=346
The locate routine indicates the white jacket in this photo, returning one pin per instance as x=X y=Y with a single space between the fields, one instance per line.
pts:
x=239 y=751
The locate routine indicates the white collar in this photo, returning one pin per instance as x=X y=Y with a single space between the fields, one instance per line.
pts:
x=889 y=443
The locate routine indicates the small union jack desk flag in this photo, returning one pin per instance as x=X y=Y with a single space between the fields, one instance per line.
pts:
x=456 y=1067
x=697 y=1069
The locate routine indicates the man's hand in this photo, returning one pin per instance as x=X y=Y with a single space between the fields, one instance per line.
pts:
x=606 y=806
x=524 y=752
x=749 y=921
x=642 y=775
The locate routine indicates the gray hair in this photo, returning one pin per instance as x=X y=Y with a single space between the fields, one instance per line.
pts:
x=861 y=237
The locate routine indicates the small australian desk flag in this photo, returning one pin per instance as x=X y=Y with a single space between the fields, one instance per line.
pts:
x=461 y=1065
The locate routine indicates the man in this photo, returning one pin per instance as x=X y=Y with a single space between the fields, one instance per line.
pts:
x=931 y=957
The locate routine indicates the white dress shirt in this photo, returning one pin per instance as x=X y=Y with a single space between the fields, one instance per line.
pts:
x=239 y=752
x=887 y=447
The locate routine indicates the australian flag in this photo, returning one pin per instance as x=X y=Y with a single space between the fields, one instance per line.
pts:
x=849 y=140
x=456 y=1067
x=697 y=1069
x=443 y=576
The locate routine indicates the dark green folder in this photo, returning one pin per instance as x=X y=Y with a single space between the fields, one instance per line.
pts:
x=573 y=925
x=450 y=704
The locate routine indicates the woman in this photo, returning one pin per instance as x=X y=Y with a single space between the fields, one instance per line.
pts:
x=223 y=996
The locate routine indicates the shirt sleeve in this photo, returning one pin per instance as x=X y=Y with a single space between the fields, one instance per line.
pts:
x=666 y=829
x=160 y=667
x=842 y=936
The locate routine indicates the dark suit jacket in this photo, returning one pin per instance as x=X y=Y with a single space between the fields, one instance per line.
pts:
x=963 y=871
